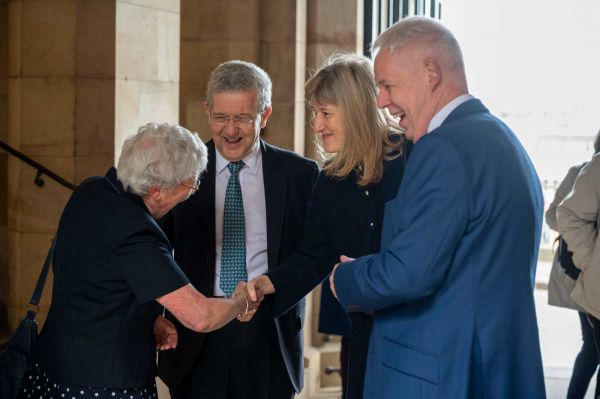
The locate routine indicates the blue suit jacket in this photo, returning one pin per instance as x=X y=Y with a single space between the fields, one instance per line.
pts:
x=452 y=287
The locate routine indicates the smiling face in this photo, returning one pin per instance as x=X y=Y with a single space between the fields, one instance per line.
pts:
x=234 y=140
x=404 y=90
x=327 y=123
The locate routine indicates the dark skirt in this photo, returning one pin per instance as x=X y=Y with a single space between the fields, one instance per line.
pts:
x=39 y=385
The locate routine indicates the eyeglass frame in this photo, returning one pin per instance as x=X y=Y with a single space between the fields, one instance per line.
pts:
x=242 y=120
x=193 y=188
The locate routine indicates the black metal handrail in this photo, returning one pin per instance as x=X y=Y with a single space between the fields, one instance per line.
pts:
x=41 y=170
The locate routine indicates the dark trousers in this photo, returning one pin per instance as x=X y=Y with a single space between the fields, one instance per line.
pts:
x=239 y=361
x=586 y=361
x=357 y=351
x=596 y=330
x=344 y=354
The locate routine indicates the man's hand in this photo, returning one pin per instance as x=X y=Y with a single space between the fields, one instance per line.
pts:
x=252 y=302
x=260 y=285
x=343 y=258
x=165 y=334
x=331 y=283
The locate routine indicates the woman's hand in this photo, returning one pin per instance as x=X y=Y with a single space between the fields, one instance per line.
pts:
x=165 y=334
x=251 y=300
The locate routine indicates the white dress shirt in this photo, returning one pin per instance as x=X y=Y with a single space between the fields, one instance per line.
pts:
x=255 y=213
x=443 y=113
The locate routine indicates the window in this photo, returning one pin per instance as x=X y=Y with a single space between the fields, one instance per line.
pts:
x=381 y=14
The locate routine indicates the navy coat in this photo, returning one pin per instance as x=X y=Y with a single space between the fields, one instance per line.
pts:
x=343 y=219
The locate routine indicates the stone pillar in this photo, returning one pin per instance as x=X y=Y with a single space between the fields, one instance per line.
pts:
x=282 y=51
x=42 y=90
x=147 y=65
x=212 y=32
x=82 y=75
x=334 y=26
x=265 y=32
x=3 y=167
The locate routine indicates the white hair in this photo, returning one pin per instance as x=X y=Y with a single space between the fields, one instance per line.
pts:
x=426 y=33
x=160 y=155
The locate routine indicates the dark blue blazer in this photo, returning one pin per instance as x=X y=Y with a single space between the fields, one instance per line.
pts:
x=190 y=226
x=452 y=286
x=111 y=262
x=343 y=219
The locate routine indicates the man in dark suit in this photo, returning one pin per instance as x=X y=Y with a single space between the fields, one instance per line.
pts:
x=451 y=290
x=246 y=217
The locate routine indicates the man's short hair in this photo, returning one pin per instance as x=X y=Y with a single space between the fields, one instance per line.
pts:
x=239 y=75
x=426 y=33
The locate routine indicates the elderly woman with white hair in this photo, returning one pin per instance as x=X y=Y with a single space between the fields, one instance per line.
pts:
x=113 y=269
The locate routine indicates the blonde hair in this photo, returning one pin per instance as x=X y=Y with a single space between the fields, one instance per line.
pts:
x=347 y=81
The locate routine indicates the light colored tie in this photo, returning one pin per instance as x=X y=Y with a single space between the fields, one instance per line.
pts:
x=233 y=255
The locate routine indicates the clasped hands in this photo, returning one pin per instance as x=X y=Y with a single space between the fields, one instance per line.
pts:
x=247 y=296
x=254 y=291
x=252 y=295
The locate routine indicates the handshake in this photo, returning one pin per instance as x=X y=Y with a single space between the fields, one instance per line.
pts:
x=253 y=292
x=244 y=303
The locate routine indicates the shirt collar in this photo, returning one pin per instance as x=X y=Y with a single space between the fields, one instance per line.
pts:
x=251 y=161
x=443 y=113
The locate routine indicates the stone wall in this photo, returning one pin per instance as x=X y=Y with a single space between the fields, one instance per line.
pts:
x=82 y=75
x=3 y=165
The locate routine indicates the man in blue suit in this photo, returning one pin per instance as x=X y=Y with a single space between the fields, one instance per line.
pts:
x=452 y=287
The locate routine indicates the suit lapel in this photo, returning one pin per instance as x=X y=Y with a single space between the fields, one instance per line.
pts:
x=275 y=180
x=206 y=198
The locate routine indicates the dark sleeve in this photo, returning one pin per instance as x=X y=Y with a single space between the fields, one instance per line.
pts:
x=146 y=262
x=310 y=263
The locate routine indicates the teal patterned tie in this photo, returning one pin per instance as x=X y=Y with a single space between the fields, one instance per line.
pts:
x=233 y=255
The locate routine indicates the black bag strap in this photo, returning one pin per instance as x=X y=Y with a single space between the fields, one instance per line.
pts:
x=34 y=303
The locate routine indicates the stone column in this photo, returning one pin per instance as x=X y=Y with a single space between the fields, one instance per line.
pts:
x=334 y=26
x=147 y=65
x=82 y=75
x=3 y=167
x=269 y=33
x=42 y=92
x=282 y=55
x=212 y=32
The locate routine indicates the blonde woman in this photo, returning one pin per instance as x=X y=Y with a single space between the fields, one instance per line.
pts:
x=364 y=157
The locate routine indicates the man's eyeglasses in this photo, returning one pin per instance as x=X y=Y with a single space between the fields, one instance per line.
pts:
x=238 y=120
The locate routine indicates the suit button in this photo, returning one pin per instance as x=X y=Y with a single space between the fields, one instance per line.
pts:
x=372 y=225
x=367 y=193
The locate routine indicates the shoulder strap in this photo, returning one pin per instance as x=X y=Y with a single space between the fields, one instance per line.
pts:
x=39 y=287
